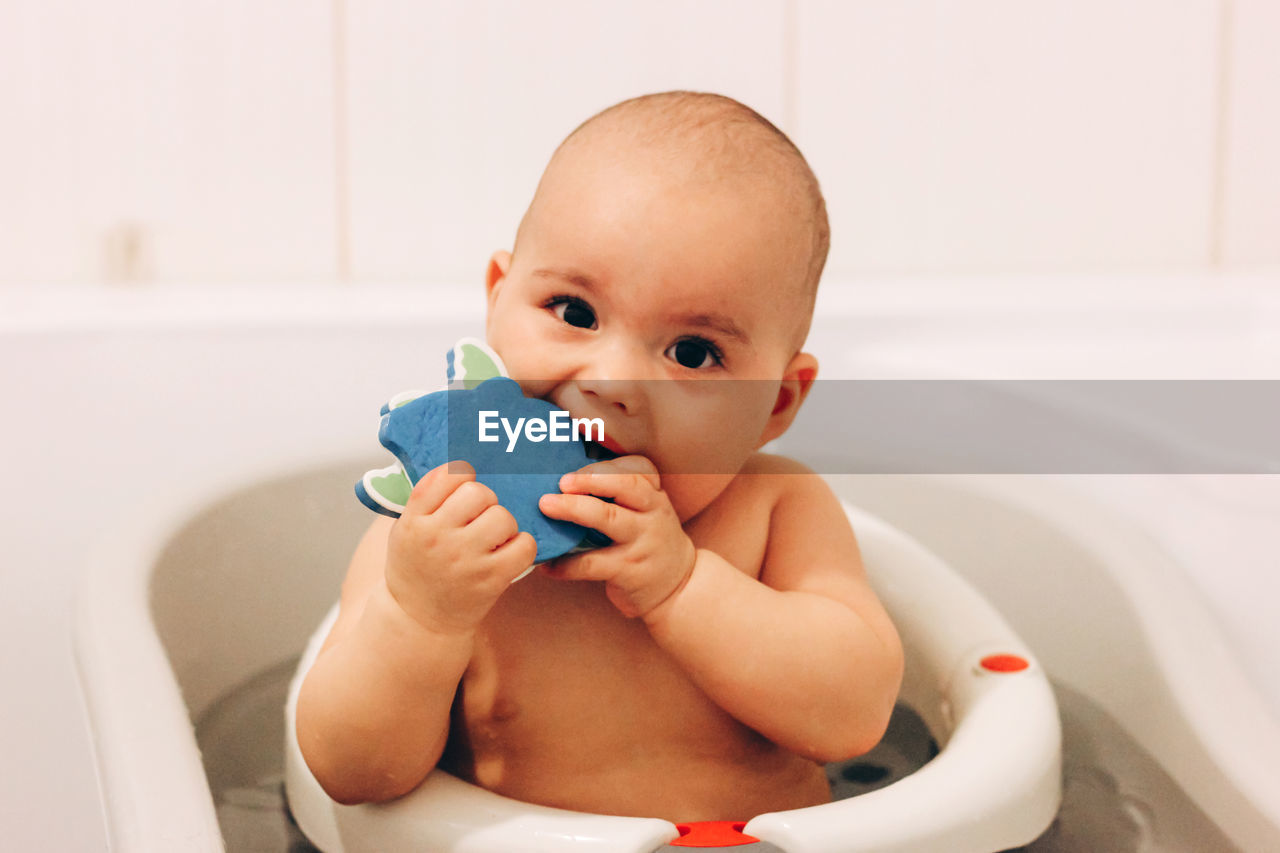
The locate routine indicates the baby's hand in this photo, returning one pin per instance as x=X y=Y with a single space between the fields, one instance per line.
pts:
x=651 y=556
x=454 y=550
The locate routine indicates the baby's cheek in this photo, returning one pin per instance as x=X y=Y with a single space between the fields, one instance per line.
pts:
x=535 y=388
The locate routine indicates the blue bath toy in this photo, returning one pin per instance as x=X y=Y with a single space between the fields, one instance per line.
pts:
x=425 y=430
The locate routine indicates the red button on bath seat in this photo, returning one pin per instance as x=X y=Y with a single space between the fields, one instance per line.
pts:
x=712 y=833
x=1004 y=663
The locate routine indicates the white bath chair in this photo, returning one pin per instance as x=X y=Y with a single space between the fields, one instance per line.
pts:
x=996 y=783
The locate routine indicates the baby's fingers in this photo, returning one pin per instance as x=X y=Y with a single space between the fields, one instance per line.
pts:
x=631 y=490
x=494 y=526
x=587 y=566
x=466 y=503
x=612 y=520
x=438 y=483
x=516 y=556
x=633 y=464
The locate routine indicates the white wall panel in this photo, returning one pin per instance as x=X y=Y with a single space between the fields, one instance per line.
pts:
x=1006 y=135
x=1251 y=199
x=166 y=141
x=456 y=106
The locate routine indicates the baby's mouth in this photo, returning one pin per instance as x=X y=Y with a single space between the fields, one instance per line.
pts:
x=606 y=447
x=598 y=452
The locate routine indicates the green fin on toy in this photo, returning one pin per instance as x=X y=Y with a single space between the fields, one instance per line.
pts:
x=469 y=363
x=472 y=361
x=385 y=490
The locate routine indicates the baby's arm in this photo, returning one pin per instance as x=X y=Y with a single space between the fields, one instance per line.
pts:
x=373 y=712
x=805 y=655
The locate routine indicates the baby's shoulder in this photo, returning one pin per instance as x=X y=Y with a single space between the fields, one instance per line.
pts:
x=770 y=463
x=777 y=480
x=805 y=536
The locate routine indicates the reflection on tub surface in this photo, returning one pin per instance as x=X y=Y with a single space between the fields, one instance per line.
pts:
x=1116 y=797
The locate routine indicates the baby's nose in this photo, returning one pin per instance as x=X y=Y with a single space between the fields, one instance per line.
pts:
x=621 y=395
x=615 y=376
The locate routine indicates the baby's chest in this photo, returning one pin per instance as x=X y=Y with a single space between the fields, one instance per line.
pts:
x=555 y=657
x=555 y=660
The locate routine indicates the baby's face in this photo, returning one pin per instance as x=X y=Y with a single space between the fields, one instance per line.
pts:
x=625 y=286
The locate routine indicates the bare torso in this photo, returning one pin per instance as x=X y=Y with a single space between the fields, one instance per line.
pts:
x=569 y=704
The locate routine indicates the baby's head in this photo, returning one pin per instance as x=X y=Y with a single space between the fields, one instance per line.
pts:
x=677 y=236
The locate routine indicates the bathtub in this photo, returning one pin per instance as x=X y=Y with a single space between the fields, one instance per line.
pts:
x=139 y=416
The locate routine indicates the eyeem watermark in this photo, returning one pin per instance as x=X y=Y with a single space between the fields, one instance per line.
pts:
x=560 y=427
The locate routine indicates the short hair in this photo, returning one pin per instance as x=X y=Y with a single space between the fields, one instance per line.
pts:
x=726 y=130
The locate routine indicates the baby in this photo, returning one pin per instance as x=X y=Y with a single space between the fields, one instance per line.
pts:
x=705 y=664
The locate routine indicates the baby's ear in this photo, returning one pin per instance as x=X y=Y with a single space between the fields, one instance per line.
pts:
x=797 y=379
x=499 y=266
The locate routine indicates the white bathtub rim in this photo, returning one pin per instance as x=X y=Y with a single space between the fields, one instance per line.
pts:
x=1248 y=294
x=112 y=626
x=1193 y=657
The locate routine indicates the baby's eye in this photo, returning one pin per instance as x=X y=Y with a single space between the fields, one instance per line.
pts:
x=694 y=353
x=573 y=311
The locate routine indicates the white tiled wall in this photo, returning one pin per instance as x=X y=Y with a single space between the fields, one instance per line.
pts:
x=1005 y=134
x=1250 y=225
x=376 y=140
x=456 y=106
x=169 y=141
